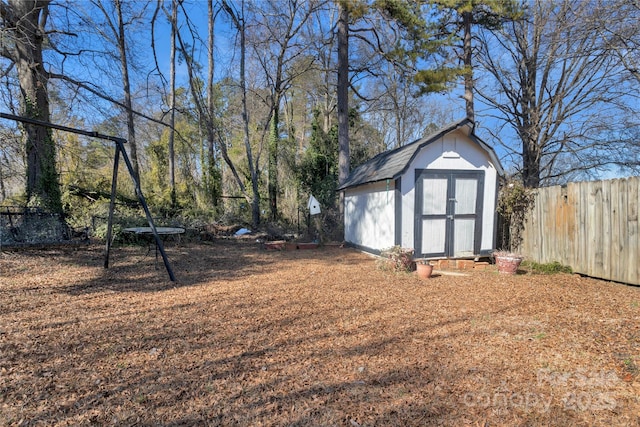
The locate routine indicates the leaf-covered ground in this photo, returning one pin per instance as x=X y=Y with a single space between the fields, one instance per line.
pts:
x=250 y=337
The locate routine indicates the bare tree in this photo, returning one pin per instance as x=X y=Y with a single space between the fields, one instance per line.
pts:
x=115 y=32
x=399 y=115
x=212 y=124
x=619 y=27
x=237 y=17
x=553 y=81
x=283 y=55
x=320 y=85
x=172 y=102
x=186 y=46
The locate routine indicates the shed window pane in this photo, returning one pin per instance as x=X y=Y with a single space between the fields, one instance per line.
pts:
x=434 y=196
x=433 y=236
x=466 y=193
x=464 y=237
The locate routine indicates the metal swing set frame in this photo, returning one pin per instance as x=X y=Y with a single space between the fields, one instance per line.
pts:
x=119 y=145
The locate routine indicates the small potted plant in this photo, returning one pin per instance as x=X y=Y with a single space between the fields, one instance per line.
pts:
x=424 y=268
x=507 y=262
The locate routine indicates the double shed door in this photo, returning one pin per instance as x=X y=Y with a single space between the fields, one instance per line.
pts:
x=448 y=215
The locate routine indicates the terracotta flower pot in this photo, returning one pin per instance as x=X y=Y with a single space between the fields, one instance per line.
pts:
x=508 y=264
x=424 y=270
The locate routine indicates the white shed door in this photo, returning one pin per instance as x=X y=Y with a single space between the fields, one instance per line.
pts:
x=434 y=214
x=448 y=213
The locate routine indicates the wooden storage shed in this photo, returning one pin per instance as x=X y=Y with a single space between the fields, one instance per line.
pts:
x=436 y=195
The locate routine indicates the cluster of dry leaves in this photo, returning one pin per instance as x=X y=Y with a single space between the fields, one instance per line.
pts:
x=297 y=338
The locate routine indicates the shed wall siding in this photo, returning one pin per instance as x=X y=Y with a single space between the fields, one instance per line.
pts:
x=452 y=152
x=369 y=215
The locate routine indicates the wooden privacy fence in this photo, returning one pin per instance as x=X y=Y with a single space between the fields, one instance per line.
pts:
x=590 y=226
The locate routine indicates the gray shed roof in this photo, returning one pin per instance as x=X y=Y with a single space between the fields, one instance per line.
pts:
x=393 y=163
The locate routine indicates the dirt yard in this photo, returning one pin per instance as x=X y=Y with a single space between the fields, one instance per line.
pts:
x=249 y=337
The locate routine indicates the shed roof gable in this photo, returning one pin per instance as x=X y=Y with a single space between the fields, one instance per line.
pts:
x=393 y=163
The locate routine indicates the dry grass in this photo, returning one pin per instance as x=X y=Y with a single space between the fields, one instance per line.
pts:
x=253 y=337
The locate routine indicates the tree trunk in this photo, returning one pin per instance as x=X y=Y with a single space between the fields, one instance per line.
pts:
x=530 y=161
x=240 y=24
x=42 y=179
x=343 y=99
x=210 y=119
x=126 y=86
x=172 y=104
x=274 y=142
x=467 y=20
x=241 y=27
x=530 y=131
x=326 y=111
x=3 y=190
x=206 y=113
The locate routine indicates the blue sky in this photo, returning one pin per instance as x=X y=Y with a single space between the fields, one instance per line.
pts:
x=225 y=38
